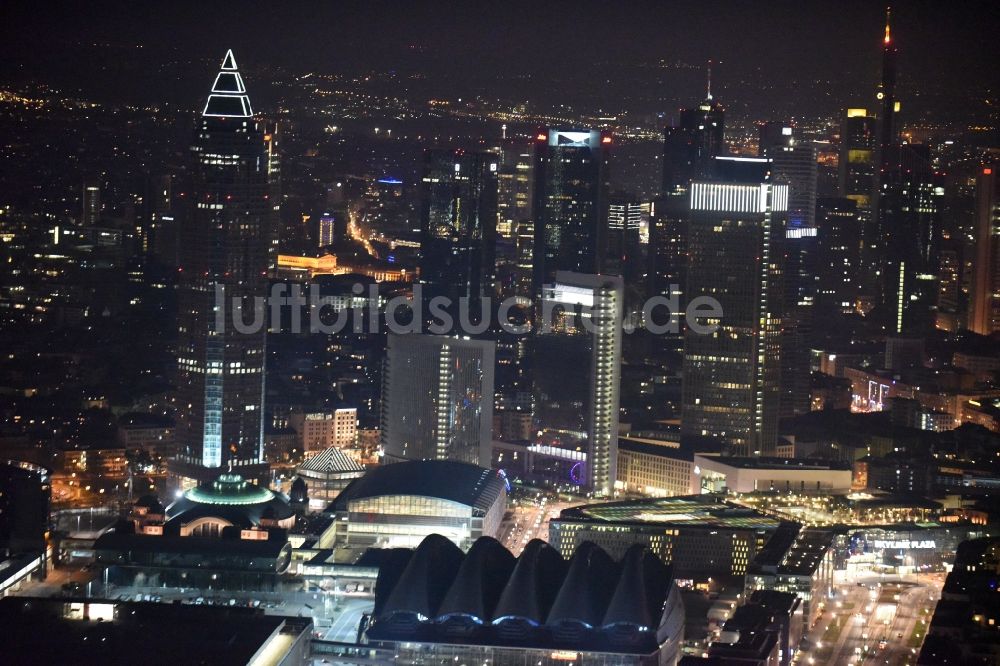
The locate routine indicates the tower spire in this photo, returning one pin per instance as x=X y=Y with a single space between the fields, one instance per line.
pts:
x=708 y=94
x=228 y=98
x=888 y=17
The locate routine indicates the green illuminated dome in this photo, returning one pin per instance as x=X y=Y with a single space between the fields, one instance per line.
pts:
x=229 y=489
x=230 y=498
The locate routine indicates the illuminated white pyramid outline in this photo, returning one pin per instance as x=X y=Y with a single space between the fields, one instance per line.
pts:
x=228 y=98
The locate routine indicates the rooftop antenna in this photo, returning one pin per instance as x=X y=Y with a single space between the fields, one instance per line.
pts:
x=709 y=91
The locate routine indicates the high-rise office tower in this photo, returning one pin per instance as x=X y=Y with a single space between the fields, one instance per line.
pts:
x=690 y=144
x=437 y=398
x=793 y=161
x=907 y=227
x=838 y=254
x=731 y=376
x=857 y=164
x=577 y=372
x=158 y=238
x=666 y=272
x=515 y=205
x=571 y=198
x=909 y=238
x=858 y=167
x=984 y=297
x=626 y=216
x=949 y=299
x=888 y=130
x=90 y=215
x=226 y=240
x=515 y=201
x=458 y=225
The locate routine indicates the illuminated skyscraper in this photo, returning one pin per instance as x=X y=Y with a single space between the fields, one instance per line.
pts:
x=516 y=211
x=984 y=306
x=793 y=162
x=571 y=190
x=857 y=181
x=90 y=215
x=857 y=158
x=626 y=216
x=731 y=376
x=838 y=254
x=226 y=241
x=437 y=398
x=690 y=144
x=458 y=225
x=577 y=371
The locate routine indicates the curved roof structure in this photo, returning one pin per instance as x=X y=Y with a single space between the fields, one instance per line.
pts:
x=533 y=585
x=476 y=589
x=590 y=582
x=424 y=581
x=391 y=563
x=232 y=498
x=596 y=603
x=640 y=592
x=449 y=480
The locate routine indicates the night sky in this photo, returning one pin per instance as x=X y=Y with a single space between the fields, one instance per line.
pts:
x=588 y=53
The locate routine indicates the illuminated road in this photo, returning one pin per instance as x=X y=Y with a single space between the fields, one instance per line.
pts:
x=530 y=520
x=355 y=232
x=874 y=624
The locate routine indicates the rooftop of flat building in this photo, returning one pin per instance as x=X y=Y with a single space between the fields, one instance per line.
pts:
x=709 y=511
x=96 y=631
x=774 y=463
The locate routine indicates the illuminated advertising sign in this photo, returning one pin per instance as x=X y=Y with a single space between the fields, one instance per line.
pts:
x=574 y=139
x=904 y=544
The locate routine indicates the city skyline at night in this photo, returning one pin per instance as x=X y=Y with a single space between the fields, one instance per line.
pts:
x=662 y=333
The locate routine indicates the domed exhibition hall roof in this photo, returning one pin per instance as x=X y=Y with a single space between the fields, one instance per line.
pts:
x=230 y=497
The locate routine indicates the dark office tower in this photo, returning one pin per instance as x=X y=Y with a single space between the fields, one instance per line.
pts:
x=625 y=218
x=577 y=374
x=909 y=238
x=516 y=214
x=949 y=299
x=25 y=495
x=858 y=170
x=226 y=240
x=90 y=214
x=437 y=398
x=667 y=251
x=690 y=143
x=160 y=235
x=571 y=188
x=857 y=158
x=888 y=131
x=458 y=225
x=731 y=376
x=838 y=255
x=984 y=297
